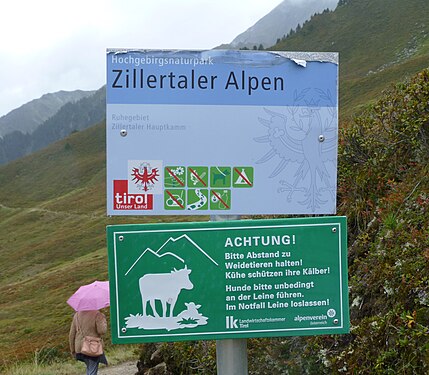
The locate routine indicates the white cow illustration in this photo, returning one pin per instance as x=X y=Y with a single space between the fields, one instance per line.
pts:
x=164 y=287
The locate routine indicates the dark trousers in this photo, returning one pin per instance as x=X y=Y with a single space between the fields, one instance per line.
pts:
x=91 y=366
x=91 y=362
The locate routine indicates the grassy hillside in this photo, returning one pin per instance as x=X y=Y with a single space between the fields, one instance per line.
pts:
x=51 y=240
x=384 y=191
x=52 y=226
x=380 y=42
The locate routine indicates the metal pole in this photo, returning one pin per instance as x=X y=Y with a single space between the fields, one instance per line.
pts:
x=231 y=354
x=231 y=357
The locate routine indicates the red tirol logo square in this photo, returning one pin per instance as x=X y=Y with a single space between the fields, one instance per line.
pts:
x=124 y=201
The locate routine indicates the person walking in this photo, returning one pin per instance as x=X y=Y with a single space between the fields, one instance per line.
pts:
x=87 y=323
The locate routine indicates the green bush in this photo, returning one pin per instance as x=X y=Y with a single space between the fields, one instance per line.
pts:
x=384 y=191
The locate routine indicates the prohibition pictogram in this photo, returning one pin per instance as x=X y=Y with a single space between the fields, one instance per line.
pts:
x=198 y=177
x=220 y=177
x=220 y=199
x=174 y=176
x=242 y=177
x=174 y=199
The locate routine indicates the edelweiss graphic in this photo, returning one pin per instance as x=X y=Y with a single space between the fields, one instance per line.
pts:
x=145 y=176
x=306 y=135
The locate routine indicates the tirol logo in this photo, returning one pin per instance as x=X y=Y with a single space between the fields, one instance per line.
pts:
x=144 y=176
x=123 y=200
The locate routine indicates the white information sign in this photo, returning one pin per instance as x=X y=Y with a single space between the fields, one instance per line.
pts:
x=221 y=132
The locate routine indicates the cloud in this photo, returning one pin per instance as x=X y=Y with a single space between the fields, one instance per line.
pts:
x=49 y=45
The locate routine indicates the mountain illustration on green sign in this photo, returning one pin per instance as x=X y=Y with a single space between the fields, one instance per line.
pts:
x=187 y=249
x=173 y=253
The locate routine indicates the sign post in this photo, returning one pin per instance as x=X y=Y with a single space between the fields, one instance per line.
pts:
x=231 y=354
x=231 y=357
x=224 y=133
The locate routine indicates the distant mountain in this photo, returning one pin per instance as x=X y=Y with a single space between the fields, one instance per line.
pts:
x=279 y=22
x=72 y=116
x=32 y=114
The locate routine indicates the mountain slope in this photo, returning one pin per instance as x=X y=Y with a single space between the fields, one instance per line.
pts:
x=384 y=191
x=52 y=226
x=278 y=23
x=380 y=42
x=47 y=238
x=30 y=115
x=71 y=117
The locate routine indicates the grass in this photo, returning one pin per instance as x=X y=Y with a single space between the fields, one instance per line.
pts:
x=52 y=225
x=63 y=368
x=52 y=242
x=41 y=364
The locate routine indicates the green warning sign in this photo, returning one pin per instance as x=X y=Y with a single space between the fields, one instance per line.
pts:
x=236 y=279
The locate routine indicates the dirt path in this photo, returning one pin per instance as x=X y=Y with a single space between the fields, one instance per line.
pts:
x=127 y=368
x=60 y=213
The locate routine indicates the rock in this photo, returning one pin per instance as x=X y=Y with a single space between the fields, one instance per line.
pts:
x=159 y=369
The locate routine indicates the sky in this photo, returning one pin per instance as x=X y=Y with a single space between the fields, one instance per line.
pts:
x=53 y=45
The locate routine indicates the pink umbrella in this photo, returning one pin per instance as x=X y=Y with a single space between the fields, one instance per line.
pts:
x=92 y=296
